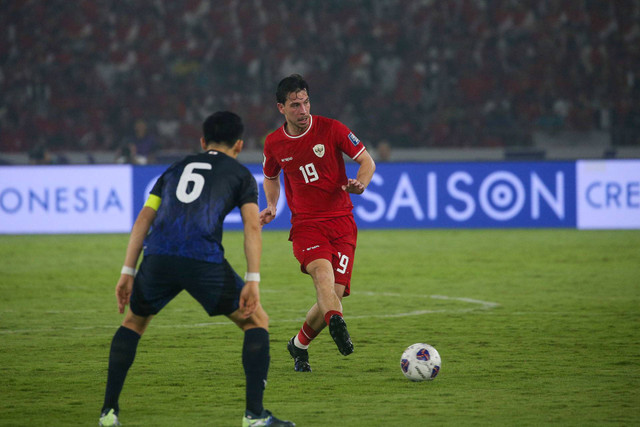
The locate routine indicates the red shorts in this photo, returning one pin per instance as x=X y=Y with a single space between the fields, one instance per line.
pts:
x=332 y=239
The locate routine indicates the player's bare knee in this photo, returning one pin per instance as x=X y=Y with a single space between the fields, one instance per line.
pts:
x=323 y=277
x=319 y=266
x=137 y=324
x=259 y=319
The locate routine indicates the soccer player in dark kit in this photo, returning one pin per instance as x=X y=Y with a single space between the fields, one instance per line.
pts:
x=308 y=150
x=183 y=251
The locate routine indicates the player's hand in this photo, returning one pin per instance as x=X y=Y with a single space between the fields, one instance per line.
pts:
x=123 y=291
x=267 y=215
x=249 y=299
x=354 y=186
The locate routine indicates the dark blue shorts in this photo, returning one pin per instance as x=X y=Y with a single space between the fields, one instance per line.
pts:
x=161 y=277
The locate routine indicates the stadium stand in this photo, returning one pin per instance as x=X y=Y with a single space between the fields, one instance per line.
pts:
x=520 y=76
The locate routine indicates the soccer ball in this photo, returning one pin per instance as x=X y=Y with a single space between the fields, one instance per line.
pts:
x=420 y=362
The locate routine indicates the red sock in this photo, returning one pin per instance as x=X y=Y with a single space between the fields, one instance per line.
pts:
x=306 y=334
x=328 y=314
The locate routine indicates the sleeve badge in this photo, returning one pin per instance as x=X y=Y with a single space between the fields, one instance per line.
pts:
x=354 y=139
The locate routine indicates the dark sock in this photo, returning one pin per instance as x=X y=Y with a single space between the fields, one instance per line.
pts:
x=123 y=351
x=255 y=359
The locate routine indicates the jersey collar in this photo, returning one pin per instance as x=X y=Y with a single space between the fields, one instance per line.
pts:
x=284 y=129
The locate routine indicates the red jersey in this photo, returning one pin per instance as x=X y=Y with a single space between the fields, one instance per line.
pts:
x=313 y=166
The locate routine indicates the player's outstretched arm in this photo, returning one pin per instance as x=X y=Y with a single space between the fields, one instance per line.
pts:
x=134 y=248
x=363 y=178
x=250 y=294
x=272 y=194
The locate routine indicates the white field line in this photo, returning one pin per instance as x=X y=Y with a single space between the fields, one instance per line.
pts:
x=479 y=305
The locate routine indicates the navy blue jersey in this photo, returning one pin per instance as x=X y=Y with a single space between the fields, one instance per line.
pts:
x=196 y=194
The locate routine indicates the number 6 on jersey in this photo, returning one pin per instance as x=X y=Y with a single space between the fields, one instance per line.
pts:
x=189 y=176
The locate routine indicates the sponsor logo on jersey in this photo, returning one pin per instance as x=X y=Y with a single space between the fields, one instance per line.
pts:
x=286 y=159
x=319 y=150
x=354 y=139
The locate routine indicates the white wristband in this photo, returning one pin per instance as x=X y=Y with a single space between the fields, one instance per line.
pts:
x=251 y=277
x=128 y=270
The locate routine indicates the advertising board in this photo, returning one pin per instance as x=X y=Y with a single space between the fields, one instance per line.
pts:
x=65 y=199
x=608 y=194
x=583 y=194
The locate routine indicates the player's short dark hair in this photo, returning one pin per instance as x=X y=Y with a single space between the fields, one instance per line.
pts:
x=294 y=83
x=223 y=127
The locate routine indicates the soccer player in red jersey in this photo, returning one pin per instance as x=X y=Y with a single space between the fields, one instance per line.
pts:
x=309 y=151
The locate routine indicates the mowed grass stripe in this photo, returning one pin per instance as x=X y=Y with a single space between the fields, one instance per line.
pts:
x=559 y=347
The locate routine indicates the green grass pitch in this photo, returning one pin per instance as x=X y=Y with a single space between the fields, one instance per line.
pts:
x=535 y=327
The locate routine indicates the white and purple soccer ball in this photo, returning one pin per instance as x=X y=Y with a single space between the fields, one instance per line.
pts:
x=420 y=362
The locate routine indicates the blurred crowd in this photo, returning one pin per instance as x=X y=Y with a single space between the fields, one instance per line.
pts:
x=138 y=76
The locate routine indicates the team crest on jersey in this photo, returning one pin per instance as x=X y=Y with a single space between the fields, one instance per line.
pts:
x=354 y=139
x=318 y=149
